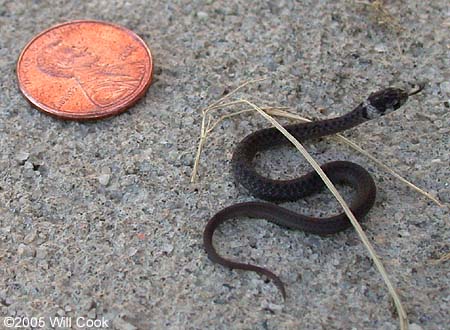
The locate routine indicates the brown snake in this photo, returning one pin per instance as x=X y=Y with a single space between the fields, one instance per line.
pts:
x=343 y=172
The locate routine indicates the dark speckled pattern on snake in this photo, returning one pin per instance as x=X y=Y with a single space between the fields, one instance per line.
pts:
x=340 y=172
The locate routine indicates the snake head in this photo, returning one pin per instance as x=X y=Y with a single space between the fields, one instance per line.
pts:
x=385 y=101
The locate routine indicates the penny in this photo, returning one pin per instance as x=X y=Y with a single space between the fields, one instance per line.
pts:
x=84 y=70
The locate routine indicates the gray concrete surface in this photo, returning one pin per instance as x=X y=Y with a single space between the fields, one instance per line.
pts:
x=100 y=220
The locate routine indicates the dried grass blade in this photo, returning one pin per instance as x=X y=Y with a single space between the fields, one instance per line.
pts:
x=400 y=310
x=352 y=144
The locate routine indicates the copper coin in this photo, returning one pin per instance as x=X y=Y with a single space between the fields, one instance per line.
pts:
x=85 y=70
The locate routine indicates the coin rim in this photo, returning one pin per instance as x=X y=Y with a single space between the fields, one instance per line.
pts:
x=96 y=114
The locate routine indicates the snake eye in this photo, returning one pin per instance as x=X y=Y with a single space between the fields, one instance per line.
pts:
x=396 y=104
x=400 y=100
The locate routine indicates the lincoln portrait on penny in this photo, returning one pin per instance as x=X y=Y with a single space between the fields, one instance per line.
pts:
x=102 y=83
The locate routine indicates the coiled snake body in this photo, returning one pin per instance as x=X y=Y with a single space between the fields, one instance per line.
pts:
x=344 y=172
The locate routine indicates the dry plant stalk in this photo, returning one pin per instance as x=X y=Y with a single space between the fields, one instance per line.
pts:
x=444 y=258
x=401 y=312
x=352 y=144
x=382 y=15
x=206 y=128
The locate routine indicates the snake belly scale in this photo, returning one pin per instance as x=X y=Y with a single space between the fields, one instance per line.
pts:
x=340 y=172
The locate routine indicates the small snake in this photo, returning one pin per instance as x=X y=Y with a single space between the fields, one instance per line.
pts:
x=340 y=172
